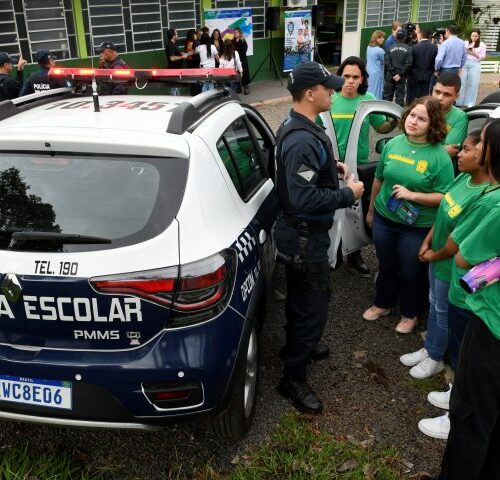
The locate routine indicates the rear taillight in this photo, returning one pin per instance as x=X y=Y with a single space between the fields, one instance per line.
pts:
x=180 y=394
x=195 y=291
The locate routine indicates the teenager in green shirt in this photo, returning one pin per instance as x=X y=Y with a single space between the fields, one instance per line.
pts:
x=467 y=187
x=459 y=313
x=413 y=174
x=343 y=108
x=447 y=91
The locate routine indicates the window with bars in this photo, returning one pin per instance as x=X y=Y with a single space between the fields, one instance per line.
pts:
x=384 y=12
x=9 y=37
x=435 y=10
x=351 y=16
x=259 y=10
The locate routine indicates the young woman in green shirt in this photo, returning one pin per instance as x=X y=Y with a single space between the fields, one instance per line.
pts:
x=466 y=188
x=413 y=174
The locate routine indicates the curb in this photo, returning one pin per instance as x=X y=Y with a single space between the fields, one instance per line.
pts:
x=272 y=101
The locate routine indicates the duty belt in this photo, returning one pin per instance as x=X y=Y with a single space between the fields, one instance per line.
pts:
x=313 y=226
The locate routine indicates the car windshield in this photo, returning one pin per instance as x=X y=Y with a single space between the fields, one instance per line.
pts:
x=80 y=198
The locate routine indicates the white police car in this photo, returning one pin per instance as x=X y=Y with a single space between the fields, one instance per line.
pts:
x=135 y=257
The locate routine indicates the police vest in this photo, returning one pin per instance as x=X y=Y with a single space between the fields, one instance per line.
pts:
x=327 y=176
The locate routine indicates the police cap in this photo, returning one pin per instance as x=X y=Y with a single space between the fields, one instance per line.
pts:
x=6 y=58
x=400 y=34
x=104 y=45
x=43 y=56
x=309 y=74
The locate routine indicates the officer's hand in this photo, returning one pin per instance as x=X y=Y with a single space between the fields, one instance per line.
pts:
x=21 y=63
x=357 y=187
x=343 y=169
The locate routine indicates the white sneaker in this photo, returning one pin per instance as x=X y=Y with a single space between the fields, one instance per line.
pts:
x=438 y=427
x=440 y=399
x=426 y=368
x=411 y=359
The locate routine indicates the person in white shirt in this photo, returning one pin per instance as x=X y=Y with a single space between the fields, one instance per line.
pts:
x=208 y=55
x=231 y=59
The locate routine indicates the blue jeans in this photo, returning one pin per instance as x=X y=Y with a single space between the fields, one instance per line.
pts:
x=458 y=319
x=470 y=83
x=436 y=340
x=207 y=86
x=400 y=270
x=175 y=91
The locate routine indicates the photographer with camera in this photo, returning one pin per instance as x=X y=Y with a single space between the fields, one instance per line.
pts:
x=398 y=61
x=10 y=86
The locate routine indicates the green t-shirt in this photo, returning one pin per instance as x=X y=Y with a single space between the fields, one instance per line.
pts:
x=450 y=209
x=474 y=214
x=342 y=111
x=481 y=245
x=423 y=168
x=457 y=123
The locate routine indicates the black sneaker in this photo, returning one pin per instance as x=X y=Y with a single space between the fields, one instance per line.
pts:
x=319 y=353
x=303 y=397
x=355 y=260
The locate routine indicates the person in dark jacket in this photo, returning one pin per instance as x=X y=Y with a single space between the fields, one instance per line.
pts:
x=109 y=59
x=10 y=87
x=241 y=46
x=423 y=56
x=397 y=61
x=39 y=81
x=309 y=195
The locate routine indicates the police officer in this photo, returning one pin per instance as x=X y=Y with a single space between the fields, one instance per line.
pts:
x=10 y=86
x=39 y=81
x=110 y=59
x=309 y=194
x=398 y=61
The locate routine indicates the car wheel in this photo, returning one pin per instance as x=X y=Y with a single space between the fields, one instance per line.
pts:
x=237 y=418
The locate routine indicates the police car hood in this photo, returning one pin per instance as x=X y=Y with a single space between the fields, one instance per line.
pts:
x=125 y=125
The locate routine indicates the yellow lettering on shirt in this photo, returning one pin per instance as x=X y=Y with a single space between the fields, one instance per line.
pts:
x=422 y=166
x=349 y=116
x=449 y=200
x=454 y=211
x=448 y=128
x=401 y=158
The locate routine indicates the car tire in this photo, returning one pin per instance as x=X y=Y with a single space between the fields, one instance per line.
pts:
x=235 y=421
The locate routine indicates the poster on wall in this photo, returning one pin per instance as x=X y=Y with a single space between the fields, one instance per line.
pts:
x=298 y=38
x=227 y=19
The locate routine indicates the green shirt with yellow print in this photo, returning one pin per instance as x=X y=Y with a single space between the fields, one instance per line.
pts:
x=457 y=124
x=420 y=167
x=461 y=194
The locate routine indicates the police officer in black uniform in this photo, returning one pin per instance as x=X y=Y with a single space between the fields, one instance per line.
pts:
x=309 y=193
x=398 y=61
x=10 y=87
x=110 y=59
x=39 y=81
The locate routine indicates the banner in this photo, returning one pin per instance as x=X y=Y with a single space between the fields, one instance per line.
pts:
x=227 y=19
x=298 y=38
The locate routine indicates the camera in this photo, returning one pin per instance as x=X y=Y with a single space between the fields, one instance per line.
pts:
x=409 y=30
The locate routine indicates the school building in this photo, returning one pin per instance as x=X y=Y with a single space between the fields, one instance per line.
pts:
x=70 y=28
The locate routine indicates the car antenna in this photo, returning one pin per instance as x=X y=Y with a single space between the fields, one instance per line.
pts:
x=95 y=95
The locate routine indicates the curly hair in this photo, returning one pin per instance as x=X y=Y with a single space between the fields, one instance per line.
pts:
x=490 y=155
x=437 y=126
x=356 y=61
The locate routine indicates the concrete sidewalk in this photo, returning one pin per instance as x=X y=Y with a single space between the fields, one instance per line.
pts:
x=270 y=92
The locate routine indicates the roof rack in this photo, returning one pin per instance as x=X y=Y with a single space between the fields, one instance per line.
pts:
x=9 y=108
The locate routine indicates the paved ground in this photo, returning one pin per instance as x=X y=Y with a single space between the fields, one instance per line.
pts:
x=368 y=395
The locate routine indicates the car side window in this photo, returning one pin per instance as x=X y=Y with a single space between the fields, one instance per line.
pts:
x=241 y=158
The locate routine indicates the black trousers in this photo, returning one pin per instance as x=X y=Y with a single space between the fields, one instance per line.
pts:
x=417 y=89
x=306 y=309
x=473 y=448
x=392 y=87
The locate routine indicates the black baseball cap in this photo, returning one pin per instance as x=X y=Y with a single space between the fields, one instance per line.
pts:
x=104 y=45
x=400 y=34
x=6 y=58
x=308 y=74
x=43 y=56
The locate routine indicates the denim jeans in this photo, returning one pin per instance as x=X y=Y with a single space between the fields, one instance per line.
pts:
x=458 y=319
x=175 y=91
x=400 y=270
x=207 y=86
x=436 y=340
x=470 y=83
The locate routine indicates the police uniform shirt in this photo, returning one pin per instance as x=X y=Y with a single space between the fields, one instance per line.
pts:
x=10 y=87
x=115 y=88
x=39 y=82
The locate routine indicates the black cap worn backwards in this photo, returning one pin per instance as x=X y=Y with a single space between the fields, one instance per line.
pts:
x=104 y=45
x=43 y=56
x=5 y=58
x=308 y=74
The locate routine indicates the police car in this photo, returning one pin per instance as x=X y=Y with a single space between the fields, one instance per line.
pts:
x=350 y=231
x=135 y=257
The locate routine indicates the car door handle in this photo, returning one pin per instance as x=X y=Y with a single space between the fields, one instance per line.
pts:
x=262 y=237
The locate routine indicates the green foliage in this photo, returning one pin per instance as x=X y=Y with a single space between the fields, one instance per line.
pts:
x=427 y=385
x=298 y=450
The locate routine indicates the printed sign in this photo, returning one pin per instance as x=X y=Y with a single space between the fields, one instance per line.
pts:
x=227 y=19
x=298 y=38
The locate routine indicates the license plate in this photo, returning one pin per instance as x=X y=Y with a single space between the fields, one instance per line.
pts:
x=33 y=391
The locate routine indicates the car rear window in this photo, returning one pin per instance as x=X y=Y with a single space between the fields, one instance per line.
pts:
x=121 y=200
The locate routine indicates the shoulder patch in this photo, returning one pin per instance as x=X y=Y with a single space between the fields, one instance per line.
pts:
x=306 y=173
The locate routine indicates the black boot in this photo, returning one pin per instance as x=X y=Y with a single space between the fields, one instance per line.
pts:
x=246 y=90
x=355 y=260
x=303 y=397
x=320 y=352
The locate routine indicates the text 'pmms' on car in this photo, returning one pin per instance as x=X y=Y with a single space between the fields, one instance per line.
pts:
x=136 y=254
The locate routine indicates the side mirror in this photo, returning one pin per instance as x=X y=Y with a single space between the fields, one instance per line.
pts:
x=379 y=146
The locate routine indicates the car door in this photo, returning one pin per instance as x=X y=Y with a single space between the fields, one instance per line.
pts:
x=350 y=228
x=479 y=113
